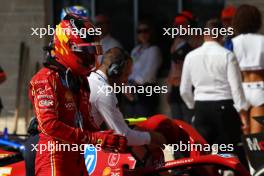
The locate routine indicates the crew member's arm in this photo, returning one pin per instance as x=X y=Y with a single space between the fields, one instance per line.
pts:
x=235 y=82
x=2 y=75
x=44 y=98
x=109 y=110
x=186 y=85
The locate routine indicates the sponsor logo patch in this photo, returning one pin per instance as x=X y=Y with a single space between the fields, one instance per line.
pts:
x=5 y=171
x=113 y=159
x=40 y=81
x=90 y=157
x=46 y=103
x=44 y=97
x=70 y=105
x=42 y=91
x=106 y=171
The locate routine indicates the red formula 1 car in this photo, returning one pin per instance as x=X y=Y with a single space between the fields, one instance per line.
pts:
x=193 y=163
x=13 y=168
x=11 y=157
x=197 y=163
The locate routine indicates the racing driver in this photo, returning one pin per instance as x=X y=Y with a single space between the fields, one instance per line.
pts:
x=61 y=102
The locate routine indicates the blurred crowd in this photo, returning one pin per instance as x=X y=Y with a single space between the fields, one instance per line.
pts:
x=148 y=57
x=215 y=84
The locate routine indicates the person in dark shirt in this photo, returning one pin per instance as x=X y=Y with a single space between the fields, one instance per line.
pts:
x=181 y=46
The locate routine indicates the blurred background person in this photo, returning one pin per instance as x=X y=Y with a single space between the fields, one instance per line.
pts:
x=227 y=15
x=106 y=40
x=115 y=69
x=2 y=79
x=76 y=9
x=214 y=73
x=180 y=47
x=147 y=59
x=248 y=47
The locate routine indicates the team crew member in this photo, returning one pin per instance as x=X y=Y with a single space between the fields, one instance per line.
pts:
x=181 y=46
x=214 y=73
x=248 y=47
x=106 y=39
x=115 y=69
x=60 y=95
x=147 y=59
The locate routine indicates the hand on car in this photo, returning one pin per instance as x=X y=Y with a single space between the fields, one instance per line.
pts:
x=109 y=141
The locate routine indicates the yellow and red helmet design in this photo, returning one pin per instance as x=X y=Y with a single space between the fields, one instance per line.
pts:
x=76 y=44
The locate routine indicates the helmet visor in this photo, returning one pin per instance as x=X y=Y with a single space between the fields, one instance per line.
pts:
x=87 y=53
x=88 y=48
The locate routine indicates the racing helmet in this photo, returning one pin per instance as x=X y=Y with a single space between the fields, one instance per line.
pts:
x=74 y=45
x=77 y=9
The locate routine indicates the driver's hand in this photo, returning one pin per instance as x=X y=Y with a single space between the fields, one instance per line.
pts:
x=109 y=141
x=157 y=139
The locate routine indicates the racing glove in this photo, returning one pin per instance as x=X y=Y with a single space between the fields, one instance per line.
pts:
x=109 y=141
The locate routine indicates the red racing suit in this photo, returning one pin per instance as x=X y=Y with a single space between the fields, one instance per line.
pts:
x=55 y=107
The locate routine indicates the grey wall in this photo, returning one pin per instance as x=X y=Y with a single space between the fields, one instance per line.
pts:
x=16 y=19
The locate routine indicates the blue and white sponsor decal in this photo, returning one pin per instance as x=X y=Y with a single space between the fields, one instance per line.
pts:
x=227 y=155
x=90 y=156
